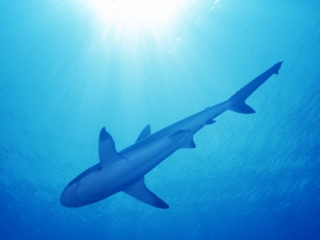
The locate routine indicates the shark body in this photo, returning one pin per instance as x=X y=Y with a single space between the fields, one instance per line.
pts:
x=125 y=170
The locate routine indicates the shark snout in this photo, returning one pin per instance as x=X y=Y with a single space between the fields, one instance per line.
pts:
x=67 y=198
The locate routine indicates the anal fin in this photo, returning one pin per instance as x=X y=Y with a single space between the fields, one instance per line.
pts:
x=140 y=192
x=210 y=121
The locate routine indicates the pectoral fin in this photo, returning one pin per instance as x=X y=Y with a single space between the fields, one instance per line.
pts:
x=140 y=192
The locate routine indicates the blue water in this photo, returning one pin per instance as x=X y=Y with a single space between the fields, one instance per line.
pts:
x=66 y=71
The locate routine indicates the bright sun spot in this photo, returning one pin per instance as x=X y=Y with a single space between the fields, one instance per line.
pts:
x=136 y=14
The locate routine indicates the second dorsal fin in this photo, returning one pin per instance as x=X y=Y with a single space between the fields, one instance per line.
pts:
x=144 y=133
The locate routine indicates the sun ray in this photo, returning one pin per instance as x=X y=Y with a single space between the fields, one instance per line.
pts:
x=136 y=15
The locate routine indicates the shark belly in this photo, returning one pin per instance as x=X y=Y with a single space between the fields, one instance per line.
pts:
x=144 y=158
x=102 y=183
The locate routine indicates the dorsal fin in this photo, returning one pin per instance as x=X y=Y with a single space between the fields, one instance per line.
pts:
x=107 y=152
x=145 y=133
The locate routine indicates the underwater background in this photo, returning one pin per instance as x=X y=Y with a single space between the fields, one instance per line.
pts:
x=68 y=68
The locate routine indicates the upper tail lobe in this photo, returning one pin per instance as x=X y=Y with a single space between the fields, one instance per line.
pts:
x=237 y=100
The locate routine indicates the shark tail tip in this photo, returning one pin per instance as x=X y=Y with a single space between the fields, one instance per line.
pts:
x=277 y=67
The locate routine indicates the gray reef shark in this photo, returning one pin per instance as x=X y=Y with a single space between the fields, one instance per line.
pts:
x=125 y=170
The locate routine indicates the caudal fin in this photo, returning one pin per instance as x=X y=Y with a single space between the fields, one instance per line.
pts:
x=237 y=100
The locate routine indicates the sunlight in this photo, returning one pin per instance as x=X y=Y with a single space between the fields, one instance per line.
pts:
x=155 y=14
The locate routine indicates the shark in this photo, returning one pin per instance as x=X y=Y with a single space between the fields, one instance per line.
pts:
x=124 y=171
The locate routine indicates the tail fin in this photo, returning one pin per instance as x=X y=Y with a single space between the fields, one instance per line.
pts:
x=237 y=100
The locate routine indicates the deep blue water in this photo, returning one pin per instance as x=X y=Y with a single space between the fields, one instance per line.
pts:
x=68 y=69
